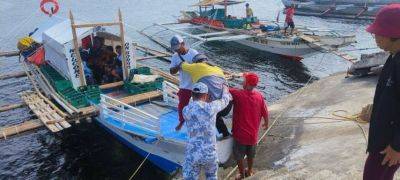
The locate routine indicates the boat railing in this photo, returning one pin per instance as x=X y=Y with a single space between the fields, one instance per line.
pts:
x=129 y=115
x=170 y=93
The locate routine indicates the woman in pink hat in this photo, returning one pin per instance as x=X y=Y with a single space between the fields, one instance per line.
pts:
x=384 y=132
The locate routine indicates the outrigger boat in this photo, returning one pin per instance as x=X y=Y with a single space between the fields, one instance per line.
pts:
x=268 y=36
x=142 y=115
x=349 y=9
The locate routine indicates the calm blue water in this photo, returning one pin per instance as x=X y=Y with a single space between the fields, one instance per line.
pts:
x=87 y=151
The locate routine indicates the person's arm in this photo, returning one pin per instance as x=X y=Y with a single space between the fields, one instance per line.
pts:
x=174 y=70
x=218 y=105
x=264 y=114
x=175 y=65
x=395 y=144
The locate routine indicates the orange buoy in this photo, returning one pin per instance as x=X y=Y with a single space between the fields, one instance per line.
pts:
x=53 y=11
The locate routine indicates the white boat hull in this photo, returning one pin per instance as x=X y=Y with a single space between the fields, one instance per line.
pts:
x=290 y=49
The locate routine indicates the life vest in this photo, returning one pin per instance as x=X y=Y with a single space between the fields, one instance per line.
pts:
x=25 y=43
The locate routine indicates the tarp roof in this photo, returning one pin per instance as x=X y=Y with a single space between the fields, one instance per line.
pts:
x=217 y=2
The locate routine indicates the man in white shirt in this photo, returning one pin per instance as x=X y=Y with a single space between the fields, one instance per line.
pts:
x=182 y=54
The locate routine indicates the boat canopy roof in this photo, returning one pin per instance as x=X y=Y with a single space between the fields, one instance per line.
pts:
x=62 y=32
x=217 y=2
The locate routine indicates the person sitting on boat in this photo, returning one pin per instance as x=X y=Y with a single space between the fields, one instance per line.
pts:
x=119 y=60
x=289 y=19
x=249 y=108
x=86 y=70
x=119 y=52
x=96 y=58
x=201 y=146
x=249 y=11
x=384 y=131
x=182 y=54
x=110 y=67
x=201 y=71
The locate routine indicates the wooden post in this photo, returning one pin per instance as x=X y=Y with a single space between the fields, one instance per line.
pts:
x=76 y=49
x=226 y=7
x=123 y=51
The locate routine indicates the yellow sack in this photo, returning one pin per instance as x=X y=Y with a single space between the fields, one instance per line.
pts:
x=25 y=43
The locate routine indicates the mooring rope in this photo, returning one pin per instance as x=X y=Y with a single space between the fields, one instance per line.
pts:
x=144 y=160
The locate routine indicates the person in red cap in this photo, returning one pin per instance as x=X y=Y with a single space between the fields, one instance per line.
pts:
x=248 y=109
x=384 y=132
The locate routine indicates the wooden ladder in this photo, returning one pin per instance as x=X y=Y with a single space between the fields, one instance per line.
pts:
x=45 y=111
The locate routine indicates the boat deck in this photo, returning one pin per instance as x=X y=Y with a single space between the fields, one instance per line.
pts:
x=167 y=118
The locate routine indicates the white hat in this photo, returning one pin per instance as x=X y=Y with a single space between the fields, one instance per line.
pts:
x=200 y=88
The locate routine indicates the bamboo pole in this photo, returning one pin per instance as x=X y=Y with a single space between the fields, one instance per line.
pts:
x=11 y=107
x=76 y=49
x=111 y=85
x=13 y=75
x=125 y=71
x=20 y=128
x=95 y=24
x=150 y=57
x=9 y=53
x=141 y=97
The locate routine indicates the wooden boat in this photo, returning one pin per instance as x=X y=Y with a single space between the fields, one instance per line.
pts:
x=141 y=115
x=267 y=36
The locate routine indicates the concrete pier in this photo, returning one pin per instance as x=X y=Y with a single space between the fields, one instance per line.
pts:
x=305 y=145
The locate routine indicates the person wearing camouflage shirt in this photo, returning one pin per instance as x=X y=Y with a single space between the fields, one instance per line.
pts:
x=200 y=118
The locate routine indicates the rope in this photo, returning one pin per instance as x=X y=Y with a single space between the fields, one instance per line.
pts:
x=341 y=118
x=144 y=160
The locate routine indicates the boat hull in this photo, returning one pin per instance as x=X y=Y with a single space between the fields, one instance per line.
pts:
x=167 y=156
x=296 y=50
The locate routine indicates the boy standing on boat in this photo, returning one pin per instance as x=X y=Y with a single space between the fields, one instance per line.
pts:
x=201 y=152
x=201 y=71
x=182 y=54
x=289 y=19
x=248 y=109
x=384 y=131
x=249 y=11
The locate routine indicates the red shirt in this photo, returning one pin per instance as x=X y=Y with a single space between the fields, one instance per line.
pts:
x=289 y=15
x=248 y=109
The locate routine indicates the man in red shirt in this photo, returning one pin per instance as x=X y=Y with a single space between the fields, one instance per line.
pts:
x=289 y=19
x=248 y=109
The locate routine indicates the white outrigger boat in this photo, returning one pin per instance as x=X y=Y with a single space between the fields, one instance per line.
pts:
x=217 y=25
x=141 y=115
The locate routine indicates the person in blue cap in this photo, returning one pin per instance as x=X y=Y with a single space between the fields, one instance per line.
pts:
x=201 y=148
x=181 y=54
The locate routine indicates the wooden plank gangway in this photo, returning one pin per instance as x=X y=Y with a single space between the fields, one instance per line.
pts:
x=47 y=112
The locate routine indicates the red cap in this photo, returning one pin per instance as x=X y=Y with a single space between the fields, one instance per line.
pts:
x=387 y=22
x=251 y=79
